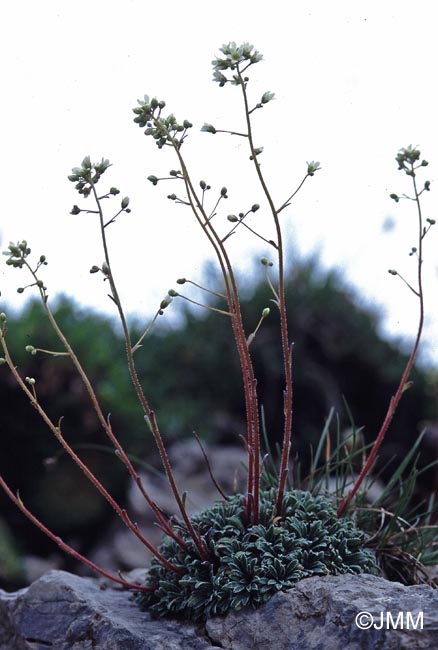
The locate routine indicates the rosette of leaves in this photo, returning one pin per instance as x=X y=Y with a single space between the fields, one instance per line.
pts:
x=249 y=564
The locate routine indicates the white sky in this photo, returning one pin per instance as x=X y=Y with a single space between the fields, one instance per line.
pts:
x=354 y=82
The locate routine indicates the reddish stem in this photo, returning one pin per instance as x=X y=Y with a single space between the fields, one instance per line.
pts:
x=66 y=547
x=393 y=404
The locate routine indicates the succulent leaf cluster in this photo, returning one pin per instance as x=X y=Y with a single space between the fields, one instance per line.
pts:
x=249 y=564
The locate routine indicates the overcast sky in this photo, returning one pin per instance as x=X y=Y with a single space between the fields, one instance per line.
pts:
x=354 y=82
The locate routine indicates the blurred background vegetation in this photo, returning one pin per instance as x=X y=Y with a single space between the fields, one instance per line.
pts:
x=191 y=375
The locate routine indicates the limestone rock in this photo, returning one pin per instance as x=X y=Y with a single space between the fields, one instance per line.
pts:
x=320 y=613
x=65 y=612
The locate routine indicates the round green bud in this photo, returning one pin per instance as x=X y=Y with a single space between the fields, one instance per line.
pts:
x=2 y=361
x=42 y=259
x=392 y=271
x=125 y=202
x=114 y=191
x=172 y=293
x=20 y=289
x=94 y=269
x=264 y=261
x=266 y=312
x=255 y=207
x=224 y=192
x=30 y=349
x=3 y=317
x=30 y=381
x=105 y=268
x=232 y=218
x=181 y=281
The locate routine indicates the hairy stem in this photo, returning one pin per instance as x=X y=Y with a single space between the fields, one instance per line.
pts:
x=150 y=415
x=394 y=402
x=287 y=355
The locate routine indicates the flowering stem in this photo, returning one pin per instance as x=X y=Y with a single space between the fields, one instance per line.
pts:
x=287 y=353
x=393 y=404
x=56 y=430
x=232 y=295
x=144 y=402
x=66 y=547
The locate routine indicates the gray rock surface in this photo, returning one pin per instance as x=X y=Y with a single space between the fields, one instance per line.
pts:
x=320 y=613
x=61 y=611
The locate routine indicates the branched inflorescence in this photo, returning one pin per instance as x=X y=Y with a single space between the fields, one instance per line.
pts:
x=249 y=546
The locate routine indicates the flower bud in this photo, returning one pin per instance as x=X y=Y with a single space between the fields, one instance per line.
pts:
x=165 y=302
x=30 y=381
x=255 y=207
x=208 y=128
x=125 y=202
x=94 y=269
x=232 y=218
x=267 y=96
x=266 y=312
x=172 y=293
x=2 y=361
x=224 y=192
x=181 y=281
x=105 y=268
x=31 y=349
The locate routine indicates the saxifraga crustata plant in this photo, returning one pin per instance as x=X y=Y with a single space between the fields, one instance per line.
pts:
x=247 y=546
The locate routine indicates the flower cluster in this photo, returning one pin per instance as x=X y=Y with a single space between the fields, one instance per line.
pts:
x=407 y=159
x=234 y=56
x=88 y=174
x=164 y=130
x=249 y=564
x=17 y=254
